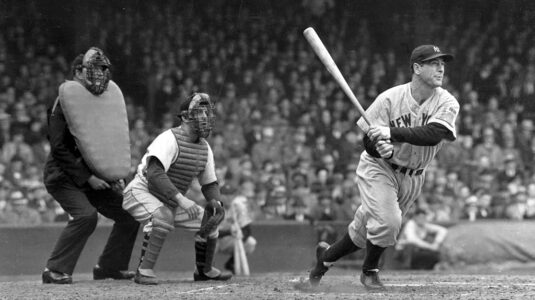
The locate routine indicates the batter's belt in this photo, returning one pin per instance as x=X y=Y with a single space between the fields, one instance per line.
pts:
x=406 y=171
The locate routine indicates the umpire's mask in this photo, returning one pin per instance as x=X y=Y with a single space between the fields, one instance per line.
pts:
x=96 y=68
x=199 y=113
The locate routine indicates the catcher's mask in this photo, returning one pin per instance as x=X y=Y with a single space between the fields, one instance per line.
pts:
x=96 y=68
x=198 y=110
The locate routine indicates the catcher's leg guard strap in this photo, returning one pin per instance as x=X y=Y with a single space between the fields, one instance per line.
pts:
x=200 y=253
x=211 y=245
x=162 y=224
x=144 y=246
x=204 y=253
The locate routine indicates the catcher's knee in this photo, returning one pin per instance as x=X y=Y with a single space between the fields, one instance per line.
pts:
x=163 y=219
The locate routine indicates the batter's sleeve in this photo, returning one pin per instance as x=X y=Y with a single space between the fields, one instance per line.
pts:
x=378 y=113
x=369 y=146
x=428 y=135
x=446 y=114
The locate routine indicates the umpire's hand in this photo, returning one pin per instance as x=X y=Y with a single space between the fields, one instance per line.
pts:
x=97 y=183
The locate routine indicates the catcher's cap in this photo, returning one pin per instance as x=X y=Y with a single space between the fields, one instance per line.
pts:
x=428 y=52
x=185 y=105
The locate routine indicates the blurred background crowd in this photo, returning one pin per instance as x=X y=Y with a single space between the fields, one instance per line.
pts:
x=285 y=132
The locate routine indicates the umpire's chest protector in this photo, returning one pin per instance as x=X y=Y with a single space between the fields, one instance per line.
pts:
x=100 y=127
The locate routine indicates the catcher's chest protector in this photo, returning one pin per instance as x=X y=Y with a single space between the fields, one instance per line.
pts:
x=191 y=160
x=100 y=127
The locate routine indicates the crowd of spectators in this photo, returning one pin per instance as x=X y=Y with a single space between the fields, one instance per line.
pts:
x=284 y=129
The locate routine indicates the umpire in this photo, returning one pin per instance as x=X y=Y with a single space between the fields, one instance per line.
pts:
x=77 y=188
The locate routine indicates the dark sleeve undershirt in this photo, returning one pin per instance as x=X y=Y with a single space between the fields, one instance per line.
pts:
x=369 y=146
x=211 y=191
x=428 y=135
x=159 y=180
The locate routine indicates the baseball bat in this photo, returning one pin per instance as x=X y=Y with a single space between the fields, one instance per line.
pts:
x=241 y=265
x=320 y=50
x=237 y=257
x=244 y=263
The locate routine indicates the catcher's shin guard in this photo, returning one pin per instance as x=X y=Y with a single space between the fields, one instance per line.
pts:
x=144 y=246
x=161 y=226
x=204 y=258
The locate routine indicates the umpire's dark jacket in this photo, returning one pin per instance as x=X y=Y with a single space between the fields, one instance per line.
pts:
x=65 y=162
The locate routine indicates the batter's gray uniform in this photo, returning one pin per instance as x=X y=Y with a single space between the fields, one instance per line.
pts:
x=388 y=187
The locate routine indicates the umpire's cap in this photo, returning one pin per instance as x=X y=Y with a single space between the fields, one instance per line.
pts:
x=428 y=52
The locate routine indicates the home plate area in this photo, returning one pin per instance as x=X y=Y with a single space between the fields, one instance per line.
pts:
x=338 y=284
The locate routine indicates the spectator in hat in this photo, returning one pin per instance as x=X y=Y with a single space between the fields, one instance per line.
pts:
x=17 y=211
x=511 y=173
x=17 y=147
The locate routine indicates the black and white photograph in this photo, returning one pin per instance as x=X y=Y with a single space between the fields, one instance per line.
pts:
x=267 y=149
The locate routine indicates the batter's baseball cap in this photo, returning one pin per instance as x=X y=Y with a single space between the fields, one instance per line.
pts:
x=428 y=52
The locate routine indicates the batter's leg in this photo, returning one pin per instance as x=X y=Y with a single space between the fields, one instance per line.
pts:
x=326 y=256
x=379 y=190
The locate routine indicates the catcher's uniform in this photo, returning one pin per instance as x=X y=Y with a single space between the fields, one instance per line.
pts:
x=388 y=187
x=141 y=203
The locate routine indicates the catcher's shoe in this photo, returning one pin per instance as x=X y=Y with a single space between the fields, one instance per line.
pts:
x=214 y=274
x=56 y=277
x=319 y=269
x=145 y=279
x=102 y=273
x=370 y=280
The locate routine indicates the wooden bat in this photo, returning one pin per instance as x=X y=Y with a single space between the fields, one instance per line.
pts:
x=241 y=264
x=320 y=50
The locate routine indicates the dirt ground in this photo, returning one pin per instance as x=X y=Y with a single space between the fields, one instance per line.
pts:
x=337 y=284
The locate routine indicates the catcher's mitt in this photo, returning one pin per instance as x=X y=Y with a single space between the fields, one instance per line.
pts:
x=214 y=213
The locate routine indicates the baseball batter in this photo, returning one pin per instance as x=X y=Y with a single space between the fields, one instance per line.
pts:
x=411 y=121
x=156 y=198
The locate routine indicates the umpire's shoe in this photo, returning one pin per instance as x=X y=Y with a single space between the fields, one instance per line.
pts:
x=370 y=280
x=320 y=268
x=56 y=277
x=103 y=273
x=214 y=274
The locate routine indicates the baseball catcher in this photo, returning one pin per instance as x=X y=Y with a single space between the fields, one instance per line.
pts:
x=156 y=195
